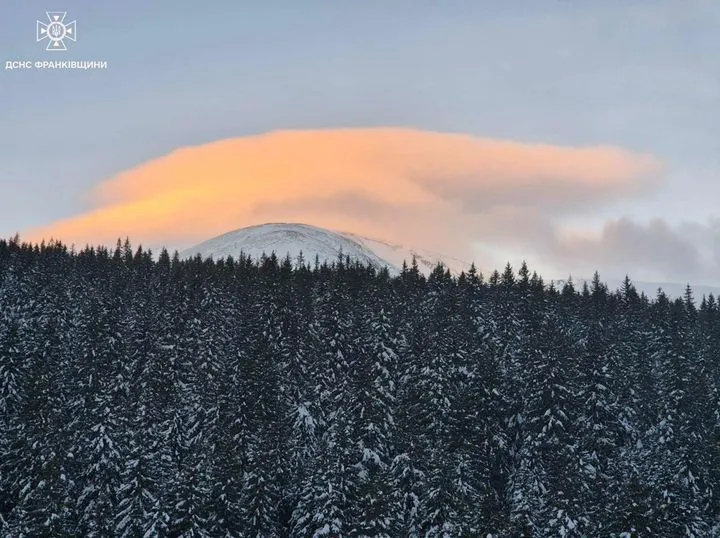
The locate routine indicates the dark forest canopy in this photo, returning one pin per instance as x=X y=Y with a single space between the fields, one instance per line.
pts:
x=161 y=397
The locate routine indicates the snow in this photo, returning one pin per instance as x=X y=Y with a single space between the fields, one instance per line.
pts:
x=286 y=238
x=294 y=238
x=396 y=254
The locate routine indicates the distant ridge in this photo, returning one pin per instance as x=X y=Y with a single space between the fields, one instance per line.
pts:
x=288 y=238
x=285 y=238
x=671 y=289
x=293 y=238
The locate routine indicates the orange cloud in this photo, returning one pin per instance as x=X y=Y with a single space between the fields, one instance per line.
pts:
x=422 y=188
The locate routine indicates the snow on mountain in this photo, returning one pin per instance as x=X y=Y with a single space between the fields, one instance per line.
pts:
x=292 y=238
x=396 y=254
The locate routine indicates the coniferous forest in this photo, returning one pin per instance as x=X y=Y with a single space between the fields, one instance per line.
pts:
x=145 y=396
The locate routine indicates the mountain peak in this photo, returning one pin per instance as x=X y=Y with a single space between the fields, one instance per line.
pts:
x=292 y=238
x=286 y=238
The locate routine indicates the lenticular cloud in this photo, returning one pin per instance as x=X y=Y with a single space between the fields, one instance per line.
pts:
x=422 y=188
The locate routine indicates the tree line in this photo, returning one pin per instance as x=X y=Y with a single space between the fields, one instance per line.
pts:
x=146 y=395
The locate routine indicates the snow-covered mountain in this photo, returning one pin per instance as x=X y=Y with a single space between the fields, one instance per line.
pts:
x=293 y=238
x=288 y=238
x=312 y=241
x=396 y=254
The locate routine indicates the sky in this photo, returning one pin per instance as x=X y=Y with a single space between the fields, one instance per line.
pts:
x=576 y=135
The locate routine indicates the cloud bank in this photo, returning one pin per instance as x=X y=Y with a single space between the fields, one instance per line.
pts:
x=442 y=192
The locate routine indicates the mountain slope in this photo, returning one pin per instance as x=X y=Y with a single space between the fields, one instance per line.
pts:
x=312 y=241
x=396 y=254
x=292 y=239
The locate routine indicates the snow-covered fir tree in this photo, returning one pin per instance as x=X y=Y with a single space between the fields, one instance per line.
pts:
x=154 y=396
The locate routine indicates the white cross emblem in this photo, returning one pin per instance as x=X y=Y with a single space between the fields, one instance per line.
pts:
x=56 y=31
